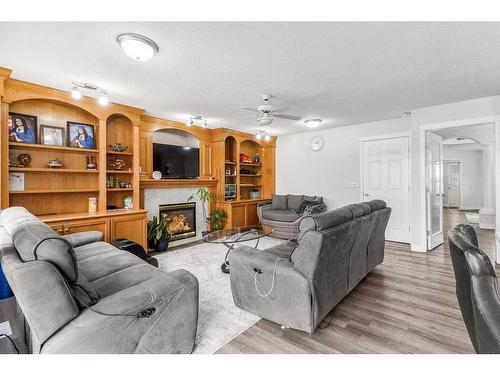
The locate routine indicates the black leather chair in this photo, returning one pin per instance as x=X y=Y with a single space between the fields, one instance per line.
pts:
x=477 y=290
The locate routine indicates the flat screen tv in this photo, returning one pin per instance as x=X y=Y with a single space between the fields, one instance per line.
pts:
x=176 y=161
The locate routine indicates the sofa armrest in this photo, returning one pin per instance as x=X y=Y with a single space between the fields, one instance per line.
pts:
x=113 y=324
x=84 y=238
x=265 y=203
x=269 y=286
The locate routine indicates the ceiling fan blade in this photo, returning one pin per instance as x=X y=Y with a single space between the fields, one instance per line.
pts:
x=288 y=117
x=250 y=109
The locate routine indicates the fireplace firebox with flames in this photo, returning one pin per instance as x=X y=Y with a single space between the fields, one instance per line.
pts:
x=181 y=219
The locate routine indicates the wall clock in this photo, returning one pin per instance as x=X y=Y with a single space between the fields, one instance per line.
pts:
x=316 y=143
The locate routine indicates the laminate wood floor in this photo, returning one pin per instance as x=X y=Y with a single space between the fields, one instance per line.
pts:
x=406 y=305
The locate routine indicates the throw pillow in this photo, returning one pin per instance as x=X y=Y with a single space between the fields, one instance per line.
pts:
x=306 y=203
x=278 y=202
x=293 y=201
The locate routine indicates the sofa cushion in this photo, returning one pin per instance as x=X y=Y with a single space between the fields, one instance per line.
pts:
x=282 y=250
x=39 y=238
x=280 y=215
x=326 y=220
x=359 y=209
x=278 y=202
x=293 y=201
x=12 y=217
x=376 y=204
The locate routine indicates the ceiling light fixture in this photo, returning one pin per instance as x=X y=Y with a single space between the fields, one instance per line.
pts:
x=75 y=93
x=267 y=137
x=197 y=119
x=137 y=47
x=103 y=98
x=313 y=122
x=261 y=134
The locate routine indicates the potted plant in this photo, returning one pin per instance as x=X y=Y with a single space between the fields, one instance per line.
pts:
x=204 y=196
x=158 y=234
x=217 y=218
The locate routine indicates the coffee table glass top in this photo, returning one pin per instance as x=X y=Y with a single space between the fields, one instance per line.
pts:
x=238 y=234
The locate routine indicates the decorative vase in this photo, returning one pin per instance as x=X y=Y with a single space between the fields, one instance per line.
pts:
x=162 y=244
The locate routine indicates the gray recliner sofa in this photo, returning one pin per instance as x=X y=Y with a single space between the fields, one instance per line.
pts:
x=283 y=213
x=296 y=284
x=81 y=295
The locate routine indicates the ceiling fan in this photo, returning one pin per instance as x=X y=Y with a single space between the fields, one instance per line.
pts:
x=266 y=112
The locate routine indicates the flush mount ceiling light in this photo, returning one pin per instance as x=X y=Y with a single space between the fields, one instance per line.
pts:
x=313 y=122
x=137 y=47
x=76 y=93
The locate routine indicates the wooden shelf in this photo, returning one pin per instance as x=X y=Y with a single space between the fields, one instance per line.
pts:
x=250 y=175
x=124 y=153
x=54 y=191
x=119 y=189
x=115 y=171
x=52 y=170
x=85 y=215
x=251 y=164
x=249 y=185
x=52 y=148
x=230 y=162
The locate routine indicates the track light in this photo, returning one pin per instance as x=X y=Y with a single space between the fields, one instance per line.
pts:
x=199 y=120
x=267 y=137
x=75 y=93
x=189 y=122
x=103 y=98
x=204 y=124
x=258 y=136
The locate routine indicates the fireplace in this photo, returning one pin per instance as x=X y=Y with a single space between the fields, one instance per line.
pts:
x=181 y=219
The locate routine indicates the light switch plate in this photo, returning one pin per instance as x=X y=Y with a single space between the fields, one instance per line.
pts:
x=5 y=329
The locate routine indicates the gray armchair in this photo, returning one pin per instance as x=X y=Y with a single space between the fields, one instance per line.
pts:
x=296 y=284
x=81 y=295
x=284 y=212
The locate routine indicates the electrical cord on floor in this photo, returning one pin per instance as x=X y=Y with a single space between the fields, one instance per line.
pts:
x=324 y=326
x=11 y=341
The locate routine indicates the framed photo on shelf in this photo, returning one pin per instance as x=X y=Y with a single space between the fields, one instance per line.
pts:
x=22 y=128
x=80 y=135
x=51 y=135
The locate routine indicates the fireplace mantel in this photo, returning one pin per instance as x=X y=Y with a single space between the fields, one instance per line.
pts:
x=181 y=183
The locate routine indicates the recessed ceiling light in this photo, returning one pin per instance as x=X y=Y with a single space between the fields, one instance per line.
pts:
x=313 y=122
x=75 y=93
x=137 y=47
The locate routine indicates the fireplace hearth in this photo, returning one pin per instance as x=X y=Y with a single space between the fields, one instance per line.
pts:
x=181 y=219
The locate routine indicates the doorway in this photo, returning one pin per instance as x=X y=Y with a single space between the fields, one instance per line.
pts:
x=385 y=175
x=458 y=170
x=451 y=182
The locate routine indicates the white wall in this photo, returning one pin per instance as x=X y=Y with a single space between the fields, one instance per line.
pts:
x=329 y=171
x=471 y=184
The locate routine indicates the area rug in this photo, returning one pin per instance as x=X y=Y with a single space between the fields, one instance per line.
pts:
x=219 y=320
x=472 y=217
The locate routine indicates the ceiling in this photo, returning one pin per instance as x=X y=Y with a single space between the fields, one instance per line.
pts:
x=482 y=134
x=343 y=73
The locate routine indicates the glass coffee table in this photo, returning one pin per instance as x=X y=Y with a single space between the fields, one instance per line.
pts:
x=232 y=236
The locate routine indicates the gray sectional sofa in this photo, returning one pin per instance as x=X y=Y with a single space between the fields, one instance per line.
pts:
x=81 y=295
x=296 y=284
x=284 y=212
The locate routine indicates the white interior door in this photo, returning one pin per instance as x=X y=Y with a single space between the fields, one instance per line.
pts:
x=386 y=176
x=451 y=183
x=434 y=189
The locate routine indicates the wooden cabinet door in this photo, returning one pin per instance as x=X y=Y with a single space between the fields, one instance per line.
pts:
x=59 y=228
x=251 y=214
x=238 y=216
x=132 y=227
x=101 y=225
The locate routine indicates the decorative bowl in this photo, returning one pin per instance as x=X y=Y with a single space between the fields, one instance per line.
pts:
x=118 y=147
x=54 y=163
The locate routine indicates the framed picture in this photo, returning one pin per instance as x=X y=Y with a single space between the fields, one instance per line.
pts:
x=22 y=128
x=51 y=135
x=80 y=135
